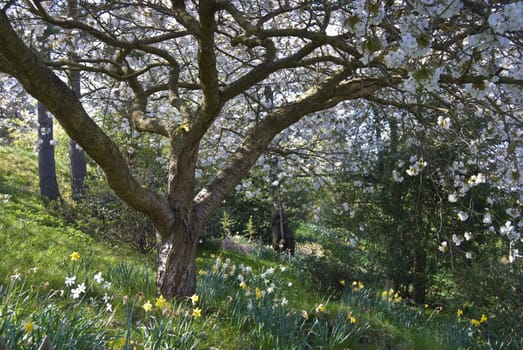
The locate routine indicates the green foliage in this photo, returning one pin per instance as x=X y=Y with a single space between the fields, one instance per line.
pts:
x=326 y=257
x=250 y=230
x=104 y=216
x=227 y=223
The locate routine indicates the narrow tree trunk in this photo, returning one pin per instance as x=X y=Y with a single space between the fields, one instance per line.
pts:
x=78 y=167
x=282 y=236
x=46 y=161
x=176 y=269
x=77 y=162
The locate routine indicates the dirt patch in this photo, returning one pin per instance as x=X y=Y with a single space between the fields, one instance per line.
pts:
x=228 y=244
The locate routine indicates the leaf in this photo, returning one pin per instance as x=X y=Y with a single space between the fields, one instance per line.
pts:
x=423 y=40
x=421 y=74
x=372 y=44
x=351 y=21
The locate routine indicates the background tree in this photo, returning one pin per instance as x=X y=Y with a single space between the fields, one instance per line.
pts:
x=77 y=162
x=46 y=152
x=183 y=68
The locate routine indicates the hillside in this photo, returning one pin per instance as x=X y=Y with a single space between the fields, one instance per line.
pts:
x=80 y=291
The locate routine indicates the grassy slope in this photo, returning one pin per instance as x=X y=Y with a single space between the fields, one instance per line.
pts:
x=31 y=237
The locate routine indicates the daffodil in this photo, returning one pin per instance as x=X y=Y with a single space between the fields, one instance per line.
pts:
x=196 y=312
x=79 y=290
x=98 y=278
x=30 y=326
x=70 y=281
x=259 y=293
x=243 y=285
x=342 y=282
x=351 y=319
x=397 y=297
x=475 y=322
x=147 y=306
x=194 y=299
x=74 y=256
x=118 y=343
x=459 y=312
x=320 y=308
x=305 y=314
x=357 y=285
x=161 y=302
x=483 y=318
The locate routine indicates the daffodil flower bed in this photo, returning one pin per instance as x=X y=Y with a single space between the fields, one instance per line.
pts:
x=90 y=311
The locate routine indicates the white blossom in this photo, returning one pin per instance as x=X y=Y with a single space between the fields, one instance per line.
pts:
x=463 y=216
x=487 y=218
x=457 y=239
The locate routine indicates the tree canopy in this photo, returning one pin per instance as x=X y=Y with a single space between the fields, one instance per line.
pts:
x=226 y=81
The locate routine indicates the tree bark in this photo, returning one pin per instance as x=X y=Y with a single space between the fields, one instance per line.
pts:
x=176 y=268
x=77 y=162
x=282 y=236
x=46 y=161
x=78 y=168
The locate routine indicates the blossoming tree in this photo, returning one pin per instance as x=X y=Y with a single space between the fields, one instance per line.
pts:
x=191 y=71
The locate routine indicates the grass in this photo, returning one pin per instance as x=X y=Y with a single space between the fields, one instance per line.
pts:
x=246 y=301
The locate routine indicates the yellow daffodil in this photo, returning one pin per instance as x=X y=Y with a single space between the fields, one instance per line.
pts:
x=258 y=293
x=351 y=319
x=202 y=272
x=147 y=306
x=74 y=256
x=320 y=308
x=161 y=302
x=196 y=312
x=342 y=282
x=483 y=318
x=118 y=343
x=194 y=299
x=459 y=312
x=243 y=285
x=475 y=322
x=29 y=327
x=357 y=285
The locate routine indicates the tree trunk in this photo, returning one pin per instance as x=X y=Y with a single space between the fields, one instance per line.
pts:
x=78 y=167
x=176 y=269
x=77 y=163
x=46 y=161
x=282 y=236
